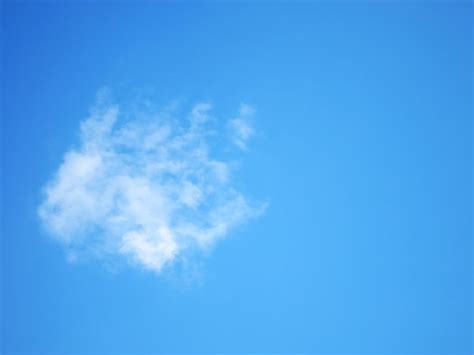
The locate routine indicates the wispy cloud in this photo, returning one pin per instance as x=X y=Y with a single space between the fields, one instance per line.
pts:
x=241 y=126
x=145 y=189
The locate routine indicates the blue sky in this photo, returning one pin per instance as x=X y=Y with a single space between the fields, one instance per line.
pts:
x=361 y=145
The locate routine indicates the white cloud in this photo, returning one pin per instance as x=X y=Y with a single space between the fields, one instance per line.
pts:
x=241 y=126
x=200 y=113
x=147 y=189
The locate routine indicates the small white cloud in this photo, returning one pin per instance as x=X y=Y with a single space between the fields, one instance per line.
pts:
x=200 y=113
x=146 y=190
x=241 y=126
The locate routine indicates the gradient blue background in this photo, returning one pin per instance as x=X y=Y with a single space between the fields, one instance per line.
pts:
x=364 y=152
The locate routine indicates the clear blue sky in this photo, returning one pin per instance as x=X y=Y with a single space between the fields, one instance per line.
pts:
x=364 y=152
